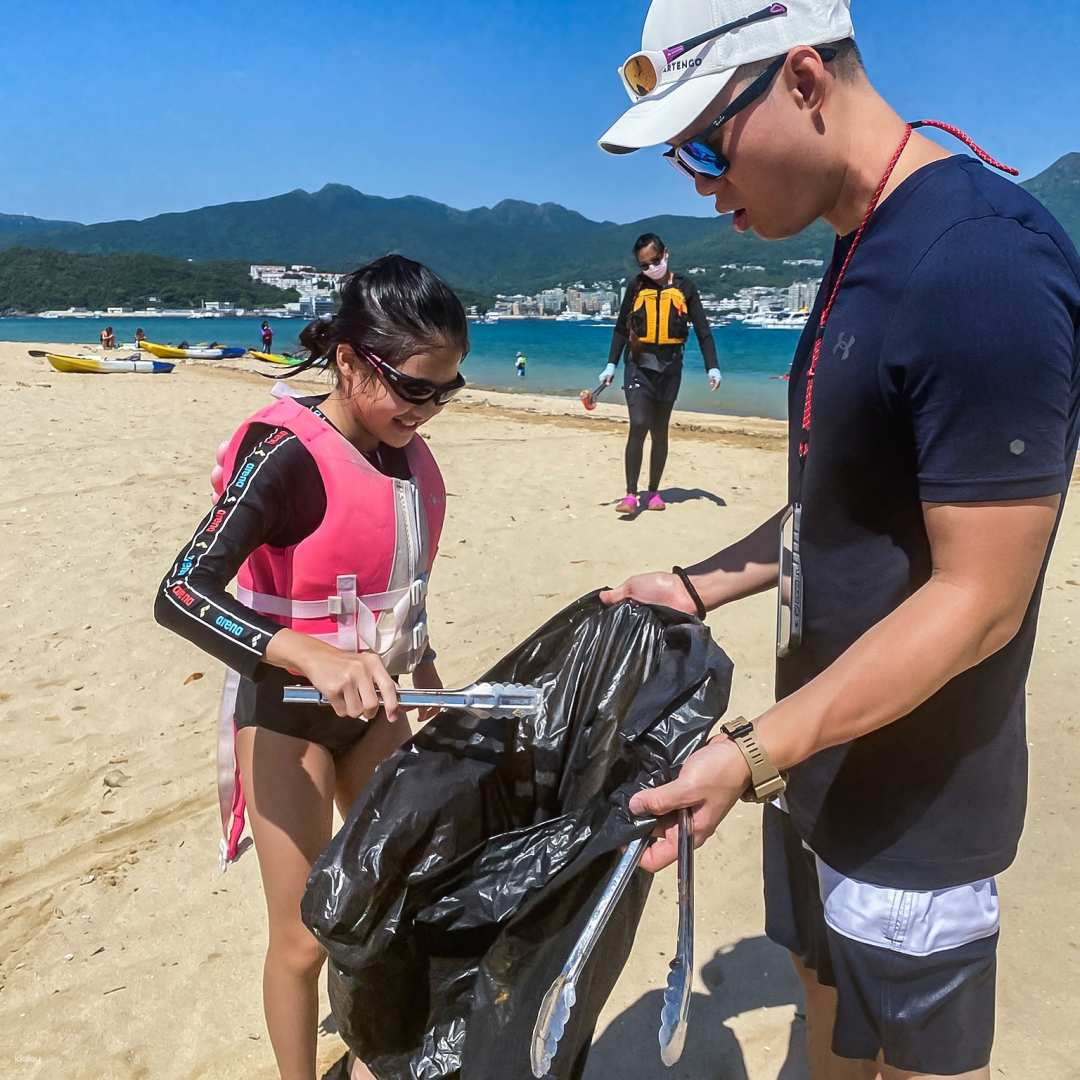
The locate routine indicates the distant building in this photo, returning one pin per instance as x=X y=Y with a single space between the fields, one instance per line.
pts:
x=801 y=295
x=552 y=301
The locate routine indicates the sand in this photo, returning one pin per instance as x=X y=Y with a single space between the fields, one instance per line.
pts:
x=124 y=953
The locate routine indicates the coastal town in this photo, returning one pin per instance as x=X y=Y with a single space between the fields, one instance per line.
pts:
x=758 y=306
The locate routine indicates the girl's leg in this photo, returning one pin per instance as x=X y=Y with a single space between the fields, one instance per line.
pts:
x=354 y=768
x=658 y=430
x=289 y=784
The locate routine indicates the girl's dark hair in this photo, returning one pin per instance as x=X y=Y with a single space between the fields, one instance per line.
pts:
x=645 y=239
x=392 y=307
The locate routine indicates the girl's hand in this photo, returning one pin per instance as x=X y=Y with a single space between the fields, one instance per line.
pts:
x=351 y=682
x=426 y=677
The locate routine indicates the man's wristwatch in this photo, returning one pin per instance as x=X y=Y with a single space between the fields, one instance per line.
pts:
x=766 y=781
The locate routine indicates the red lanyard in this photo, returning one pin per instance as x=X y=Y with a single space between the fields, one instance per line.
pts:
x=823 y=319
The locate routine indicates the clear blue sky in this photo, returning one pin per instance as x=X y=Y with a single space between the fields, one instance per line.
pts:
x=127 y=108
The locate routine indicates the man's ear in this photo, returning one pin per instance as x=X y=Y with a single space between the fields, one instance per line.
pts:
x=807 y=78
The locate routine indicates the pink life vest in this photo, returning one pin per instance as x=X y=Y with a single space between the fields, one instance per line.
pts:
x=359 y=581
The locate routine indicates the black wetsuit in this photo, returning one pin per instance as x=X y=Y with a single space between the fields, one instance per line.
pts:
x=653 y=375
x=279 y=504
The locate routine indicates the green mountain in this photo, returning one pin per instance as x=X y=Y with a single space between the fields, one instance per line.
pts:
x=1058 y=189
x=39 y=280
x=513 y=246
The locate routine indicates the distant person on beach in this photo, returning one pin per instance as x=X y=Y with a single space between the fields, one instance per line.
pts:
x=653 y=324
x=311 y=517
x=267 y=335
x=933 y=425
x=519 y=364
x=140 y=336
x=108 y=338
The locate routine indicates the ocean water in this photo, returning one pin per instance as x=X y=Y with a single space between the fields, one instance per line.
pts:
x=563 y=357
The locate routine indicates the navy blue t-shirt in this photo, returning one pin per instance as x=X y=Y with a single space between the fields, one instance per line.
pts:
x=948 y=374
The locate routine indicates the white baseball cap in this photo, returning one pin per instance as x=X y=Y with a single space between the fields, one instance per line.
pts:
x=690 y=82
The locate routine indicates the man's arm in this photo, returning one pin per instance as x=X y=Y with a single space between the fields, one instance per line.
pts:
x=748 y=566
x=986 y=559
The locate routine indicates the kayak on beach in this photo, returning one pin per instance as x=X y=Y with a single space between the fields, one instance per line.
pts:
x=172 y=352
x=107 y=365
x=277 y=358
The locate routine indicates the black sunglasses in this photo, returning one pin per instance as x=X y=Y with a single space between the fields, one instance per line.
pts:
x=695 y=157
x=413 y=390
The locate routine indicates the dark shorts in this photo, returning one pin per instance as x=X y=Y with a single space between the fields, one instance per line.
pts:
x=661 y=385
x=927 y=1011
x=259 y=704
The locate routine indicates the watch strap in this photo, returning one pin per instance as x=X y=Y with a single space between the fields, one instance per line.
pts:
x=766 y=781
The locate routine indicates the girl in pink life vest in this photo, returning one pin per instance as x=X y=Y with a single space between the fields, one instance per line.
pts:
x=329 y=519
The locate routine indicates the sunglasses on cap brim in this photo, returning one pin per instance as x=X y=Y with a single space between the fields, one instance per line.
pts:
x=641 y=72
x=413 y=390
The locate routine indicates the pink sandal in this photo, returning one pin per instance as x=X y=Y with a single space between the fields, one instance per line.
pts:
x=628 y=507
x=655 y=502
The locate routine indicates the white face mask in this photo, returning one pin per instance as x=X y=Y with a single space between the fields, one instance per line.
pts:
x=658 y=272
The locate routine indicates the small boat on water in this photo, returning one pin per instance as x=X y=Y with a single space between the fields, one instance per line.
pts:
x=108 y=365
x=172 y=352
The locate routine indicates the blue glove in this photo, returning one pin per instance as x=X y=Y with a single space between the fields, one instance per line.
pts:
x=607 y=376
x=714 y=377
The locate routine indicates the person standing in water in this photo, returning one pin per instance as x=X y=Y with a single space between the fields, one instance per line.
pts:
x=654 y=320
x=519 y=364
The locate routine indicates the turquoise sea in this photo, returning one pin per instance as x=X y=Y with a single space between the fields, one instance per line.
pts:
x=563 y=357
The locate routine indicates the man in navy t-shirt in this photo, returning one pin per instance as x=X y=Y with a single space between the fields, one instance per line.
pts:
x=934 y=404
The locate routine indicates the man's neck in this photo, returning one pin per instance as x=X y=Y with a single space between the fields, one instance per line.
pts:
x=876 y=133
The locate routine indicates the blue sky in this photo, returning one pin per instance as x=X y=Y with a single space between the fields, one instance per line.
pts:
x=126 y=109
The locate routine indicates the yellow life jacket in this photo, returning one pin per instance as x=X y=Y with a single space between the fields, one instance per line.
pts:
x=660 y=316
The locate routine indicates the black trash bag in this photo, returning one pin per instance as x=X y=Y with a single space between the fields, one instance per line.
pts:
x=453 y=894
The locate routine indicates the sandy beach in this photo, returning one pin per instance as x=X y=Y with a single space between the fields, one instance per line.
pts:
x=124 y=953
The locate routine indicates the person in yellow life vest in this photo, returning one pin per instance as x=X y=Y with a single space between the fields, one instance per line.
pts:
x=652 y=328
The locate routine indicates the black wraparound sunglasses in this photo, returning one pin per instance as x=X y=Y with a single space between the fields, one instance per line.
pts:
x=413 y=390
x=696 y=157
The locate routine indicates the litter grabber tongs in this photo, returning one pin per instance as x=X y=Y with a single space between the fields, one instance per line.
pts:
x=562 y=994
x=499 y=700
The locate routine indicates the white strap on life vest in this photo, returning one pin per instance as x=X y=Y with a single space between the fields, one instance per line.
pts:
x=268 y=604
x=357 y=627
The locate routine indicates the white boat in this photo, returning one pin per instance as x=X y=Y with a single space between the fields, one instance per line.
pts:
x=776 y=320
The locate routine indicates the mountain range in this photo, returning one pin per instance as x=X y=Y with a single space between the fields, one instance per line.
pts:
x=513 y=246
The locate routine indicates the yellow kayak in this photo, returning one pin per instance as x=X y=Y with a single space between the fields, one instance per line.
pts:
x=107 y=365
x=163 y=352
x=170 y=352
x=277 y=358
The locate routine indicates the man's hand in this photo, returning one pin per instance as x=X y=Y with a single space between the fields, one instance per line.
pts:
x=715 y=378
x=710 y=784
x=664 y=589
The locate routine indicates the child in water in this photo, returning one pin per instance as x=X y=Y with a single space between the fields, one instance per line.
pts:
x=331 y=514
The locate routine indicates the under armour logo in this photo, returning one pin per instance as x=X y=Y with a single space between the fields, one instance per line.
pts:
x=844 y=343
